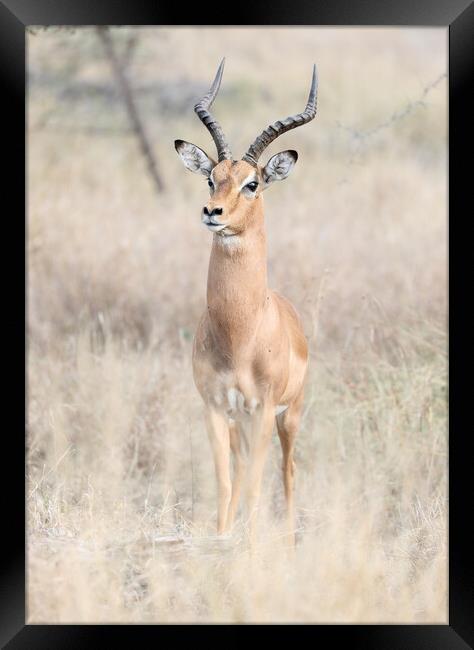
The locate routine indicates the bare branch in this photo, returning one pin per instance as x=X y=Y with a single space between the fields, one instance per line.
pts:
x=396 y=116
x=127 y=96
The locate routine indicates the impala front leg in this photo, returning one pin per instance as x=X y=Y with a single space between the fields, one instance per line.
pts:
x=218 y=431
x=260 y=436
x=235 y=445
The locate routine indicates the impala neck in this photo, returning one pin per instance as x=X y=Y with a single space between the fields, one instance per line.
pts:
x=237 y=287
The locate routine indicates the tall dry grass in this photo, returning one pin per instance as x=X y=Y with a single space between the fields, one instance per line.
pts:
x=120 y=483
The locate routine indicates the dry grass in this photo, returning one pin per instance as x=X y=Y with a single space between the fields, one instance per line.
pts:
x=120 y=479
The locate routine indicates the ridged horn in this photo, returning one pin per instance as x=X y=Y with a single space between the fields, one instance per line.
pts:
x=272 y=132
x=209 y=121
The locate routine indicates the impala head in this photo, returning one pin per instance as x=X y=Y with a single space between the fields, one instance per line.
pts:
x=236 y=185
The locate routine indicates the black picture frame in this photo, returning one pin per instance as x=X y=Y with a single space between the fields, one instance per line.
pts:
x=455 y=15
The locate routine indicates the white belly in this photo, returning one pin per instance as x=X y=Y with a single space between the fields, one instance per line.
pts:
x=238 y=405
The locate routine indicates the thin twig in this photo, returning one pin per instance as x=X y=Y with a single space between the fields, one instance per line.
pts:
x=396 y=116
x=45 y=476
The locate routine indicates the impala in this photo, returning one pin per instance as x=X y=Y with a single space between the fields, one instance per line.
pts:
x=250 y=353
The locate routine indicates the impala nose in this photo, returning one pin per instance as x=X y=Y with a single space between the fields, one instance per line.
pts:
x=215 y=212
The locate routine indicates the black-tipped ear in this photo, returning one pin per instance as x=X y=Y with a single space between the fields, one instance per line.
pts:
x=194 y=158
x=279 y=166
x=294 y=154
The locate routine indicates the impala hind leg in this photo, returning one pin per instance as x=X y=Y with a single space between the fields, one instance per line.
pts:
x=218 y=431
x=260 y=436
x=287 y=425
x=236 y=447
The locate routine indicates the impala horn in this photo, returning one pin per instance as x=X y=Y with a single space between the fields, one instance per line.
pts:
x=209 y=121
x=281 y=126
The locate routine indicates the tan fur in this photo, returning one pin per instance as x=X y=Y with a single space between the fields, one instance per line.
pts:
x=250 y=353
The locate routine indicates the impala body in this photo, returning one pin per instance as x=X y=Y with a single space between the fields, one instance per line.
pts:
x=250 y=353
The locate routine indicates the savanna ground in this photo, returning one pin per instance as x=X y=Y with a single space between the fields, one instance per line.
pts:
x=120 y=480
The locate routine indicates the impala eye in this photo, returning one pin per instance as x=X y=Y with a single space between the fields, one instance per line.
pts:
x=252 y=186
x=211 y=184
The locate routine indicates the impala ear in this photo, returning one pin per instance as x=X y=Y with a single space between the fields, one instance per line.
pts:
x=194 y=158
x=279 y=166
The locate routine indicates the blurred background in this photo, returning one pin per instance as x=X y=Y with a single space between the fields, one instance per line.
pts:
x=120 y=494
